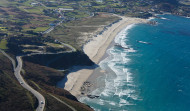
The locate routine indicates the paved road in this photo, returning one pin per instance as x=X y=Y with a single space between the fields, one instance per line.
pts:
x=71 y=47
x=18 y=69
x=17 y=74
x=87 y=26
x=52 y=28
x=26 y=86
x=48 y=30
x=63 y=102
x=41 y=4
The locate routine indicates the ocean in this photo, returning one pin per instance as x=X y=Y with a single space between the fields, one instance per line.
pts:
x=150 y=72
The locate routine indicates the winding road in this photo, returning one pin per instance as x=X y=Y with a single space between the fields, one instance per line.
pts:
x=17 y=73
x=63 y=102
x=41 y=99
x=17 y=70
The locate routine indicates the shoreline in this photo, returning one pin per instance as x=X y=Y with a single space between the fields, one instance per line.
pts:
x=96 y=51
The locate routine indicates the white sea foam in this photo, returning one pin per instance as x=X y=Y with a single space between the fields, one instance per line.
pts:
x=122 y=77
x=126 y=60
x=96 y=109
x=100 y=101
x=129 y=77
x=112 y=103
x=123 y=34
x=109 y=88
x=164 y=18
x=150 y=18
x=124 y=102
x=131 y=50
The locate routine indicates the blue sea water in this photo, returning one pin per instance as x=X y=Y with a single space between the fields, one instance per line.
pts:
x=153 y=74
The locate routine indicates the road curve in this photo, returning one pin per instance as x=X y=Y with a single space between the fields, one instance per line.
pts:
x=26 y=86
x=17 y=74
x=63 y=102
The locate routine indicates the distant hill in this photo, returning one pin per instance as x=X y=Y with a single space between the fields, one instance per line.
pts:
x=167 y=1
x=184 y=2
x=158 y=1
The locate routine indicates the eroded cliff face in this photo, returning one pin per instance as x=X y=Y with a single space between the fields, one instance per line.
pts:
x=167 y=1
x=61 y=61
x=41 y=78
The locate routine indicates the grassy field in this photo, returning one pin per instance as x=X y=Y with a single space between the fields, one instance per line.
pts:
x=40 y=29
x=4 y=3
x=53 y=44
x=74 y=35
x=36 y=10
x=23 y=15
x=3 y=29
x=3 y=44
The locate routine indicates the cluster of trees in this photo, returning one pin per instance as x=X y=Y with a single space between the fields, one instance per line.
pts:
x=174 y=2
x=51 y=13
x=14 y=43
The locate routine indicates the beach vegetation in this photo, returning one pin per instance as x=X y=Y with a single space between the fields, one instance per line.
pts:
x=72 y=32
x=37 y=10
x=54 y=44
x=75 y=22
x=3 y=44
x=40 y=29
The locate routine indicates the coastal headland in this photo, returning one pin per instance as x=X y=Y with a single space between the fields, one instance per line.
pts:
x=96 y=49
x=58 y=37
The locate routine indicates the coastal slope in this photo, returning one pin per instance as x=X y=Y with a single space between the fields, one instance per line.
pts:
x=95 y=49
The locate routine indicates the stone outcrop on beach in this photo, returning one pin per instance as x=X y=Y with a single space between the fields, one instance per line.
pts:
x=152 y=22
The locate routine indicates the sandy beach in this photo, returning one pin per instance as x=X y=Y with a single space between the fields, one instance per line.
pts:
x=96 y=49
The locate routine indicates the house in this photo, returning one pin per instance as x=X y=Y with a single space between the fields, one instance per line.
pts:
x=34 y=4
x=65 y=9
x=99 y=1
